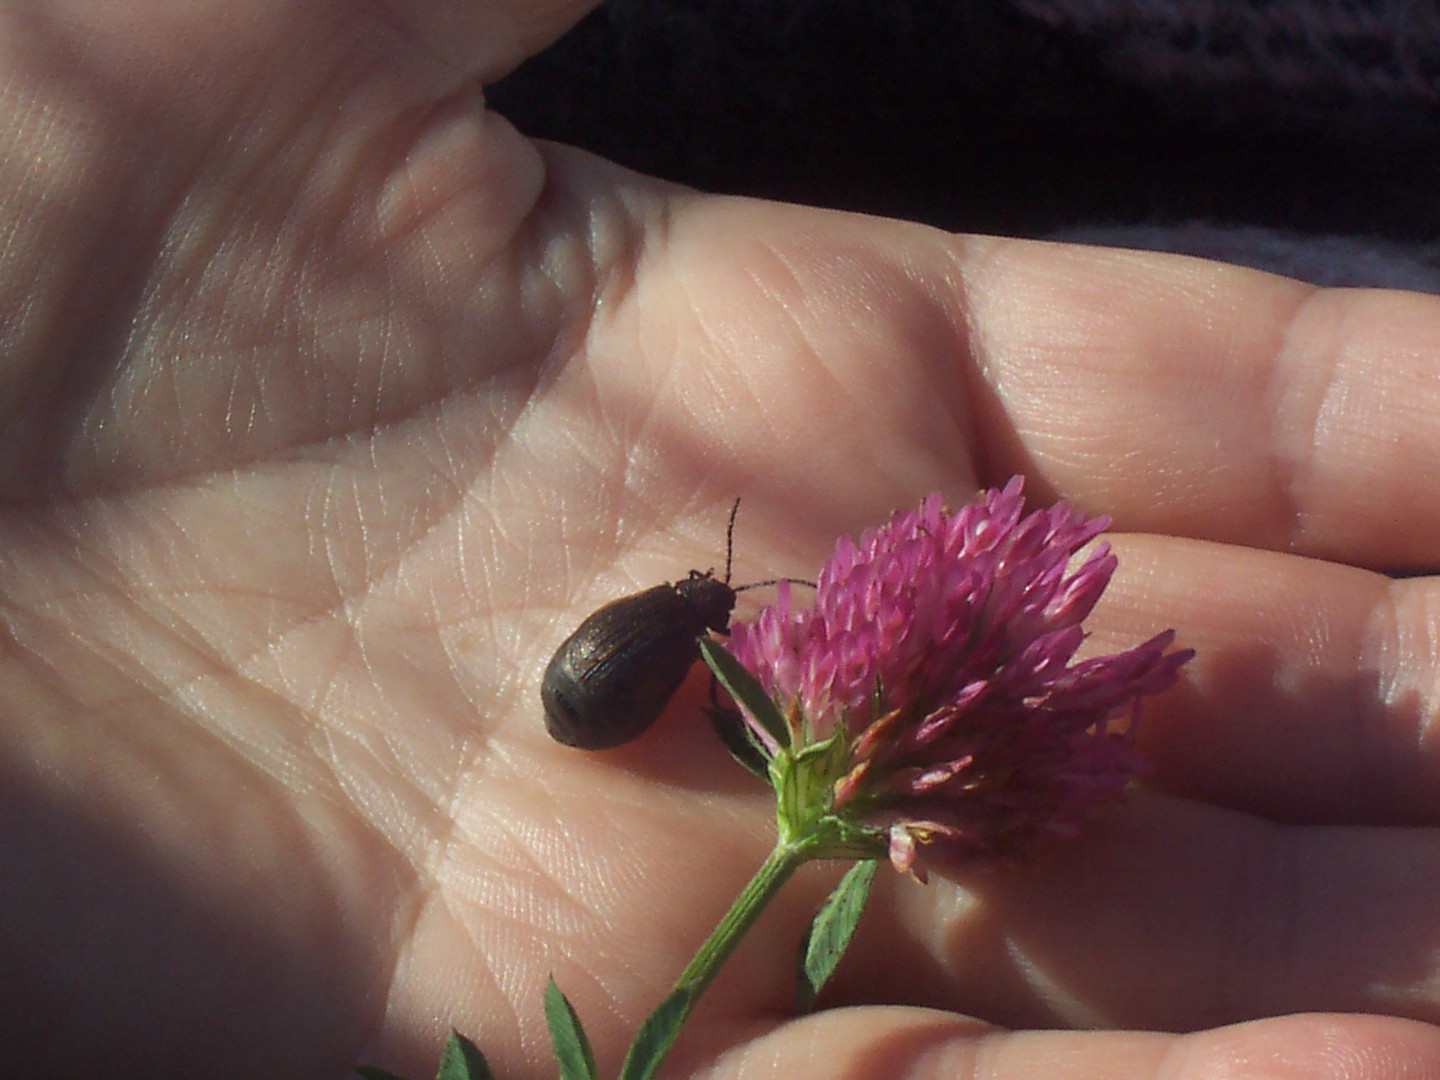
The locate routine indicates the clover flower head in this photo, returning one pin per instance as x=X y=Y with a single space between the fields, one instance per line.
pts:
x=939 y=654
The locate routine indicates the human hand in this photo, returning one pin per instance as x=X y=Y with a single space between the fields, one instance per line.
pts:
x=334 y=404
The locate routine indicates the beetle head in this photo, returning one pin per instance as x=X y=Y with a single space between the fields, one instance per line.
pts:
x=712 y=598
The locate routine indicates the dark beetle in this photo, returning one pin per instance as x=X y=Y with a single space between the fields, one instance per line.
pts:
x=613 y=677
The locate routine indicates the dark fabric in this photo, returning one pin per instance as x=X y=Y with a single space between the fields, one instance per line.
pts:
x=1301 y=136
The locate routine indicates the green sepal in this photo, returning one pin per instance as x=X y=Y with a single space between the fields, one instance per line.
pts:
x=567 y=1035
x=804 y=783
x=830 y=932
x=742 y=686
x=656 y=1035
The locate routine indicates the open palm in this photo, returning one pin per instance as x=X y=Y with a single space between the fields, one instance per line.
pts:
x=332 y=404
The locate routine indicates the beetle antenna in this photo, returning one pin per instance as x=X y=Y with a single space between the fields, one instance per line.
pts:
x=730 y=538
x=775 y=581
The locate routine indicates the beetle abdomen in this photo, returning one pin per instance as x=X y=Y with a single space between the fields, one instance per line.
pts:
x=612 y=678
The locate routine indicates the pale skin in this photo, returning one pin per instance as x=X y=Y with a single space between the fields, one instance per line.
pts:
x=331 y=404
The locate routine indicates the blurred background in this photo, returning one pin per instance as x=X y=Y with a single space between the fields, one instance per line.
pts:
x=1299 y=136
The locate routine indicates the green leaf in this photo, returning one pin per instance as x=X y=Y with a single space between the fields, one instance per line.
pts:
x=744 y=689
x=656 y=1035
x=462 y=1061
x=567 y=1034
x=735 y=735
x=830 y=932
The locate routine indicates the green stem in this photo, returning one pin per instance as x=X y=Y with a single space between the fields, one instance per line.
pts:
x=773 y=873
x=659 y=1030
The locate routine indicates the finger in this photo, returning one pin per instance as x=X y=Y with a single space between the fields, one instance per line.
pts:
x=849 y=361
x=906 y=1044
x=1311 y=697
x=1188 y=397
x=1168 y=916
